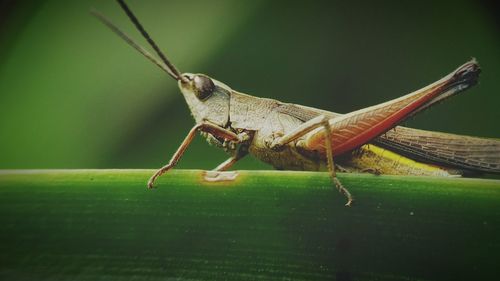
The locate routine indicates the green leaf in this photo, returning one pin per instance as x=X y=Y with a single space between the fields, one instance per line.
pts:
x=265 y=225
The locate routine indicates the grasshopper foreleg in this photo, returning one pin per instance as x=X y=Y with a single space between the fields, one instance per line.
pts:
x=317 y=122
x=204 y=127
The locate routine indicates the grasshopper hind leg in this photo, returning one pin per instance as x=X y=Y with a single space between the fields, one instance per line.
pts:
x=331 y=165
x=302 y=130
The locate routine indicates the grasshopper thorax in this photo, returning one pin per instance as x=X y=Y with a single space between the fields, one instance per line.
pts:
x=207 y=98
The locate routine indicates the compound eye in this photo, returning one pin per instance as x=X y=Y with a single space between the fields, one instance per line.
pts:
x=204 y=86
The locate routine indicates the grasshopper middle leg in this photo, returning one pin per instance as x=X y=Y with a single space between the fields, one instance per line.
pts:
x=320 y=121
x=217 y=174
x=240 y=153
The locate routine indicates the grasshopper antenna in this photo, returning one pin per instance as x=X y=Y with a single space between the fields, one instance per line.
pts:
x=169 y=69
x=130 y=41
x=174 y=72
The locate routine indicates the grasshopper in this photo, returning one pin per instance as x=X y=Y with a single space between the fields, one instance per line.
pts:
x=295 y=137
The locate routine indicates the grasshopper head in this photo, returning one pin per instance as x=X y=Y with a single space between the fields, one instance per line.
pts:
x=208 y=99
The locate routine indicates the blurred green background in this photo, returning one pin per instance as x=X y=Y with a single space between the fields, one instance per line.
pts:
x=73 y=95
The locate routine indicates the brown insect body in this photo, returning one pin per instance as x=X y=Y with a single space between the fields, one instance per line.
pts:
x=267 y=119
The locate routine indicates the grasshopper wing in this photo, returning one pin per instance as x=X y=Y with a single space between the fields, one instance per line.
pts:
x=449 y=150
x=463 y=152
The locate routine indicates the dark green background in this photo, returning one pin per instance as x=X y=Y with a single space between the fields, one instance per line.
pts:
x=73 y=95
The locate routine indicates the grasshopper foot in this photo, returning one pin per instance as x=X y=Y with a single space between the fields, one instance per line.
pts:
x=344 y=191
x=151 y=182
x=373 y=171
x=158 y=173
x=218 y=176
